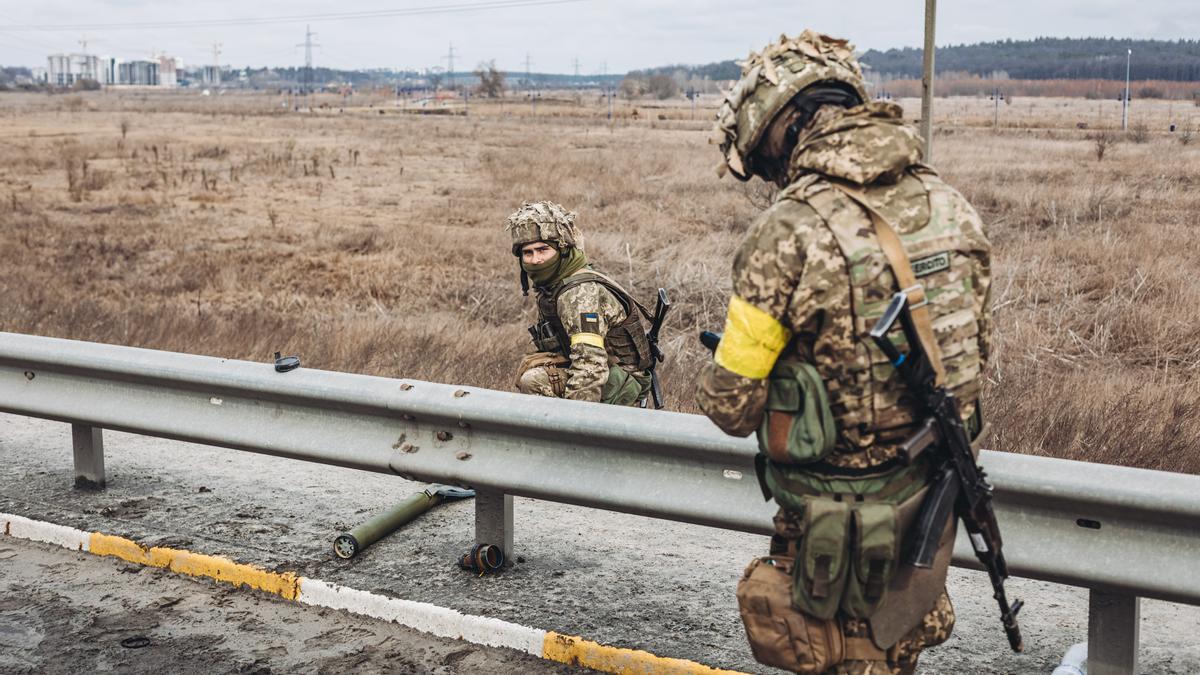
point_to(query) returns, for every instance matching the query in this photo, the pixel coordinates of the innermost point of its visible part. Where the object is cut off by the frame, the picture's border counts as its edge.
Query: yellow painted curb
(577, 651)
(286, 584)
(568, 649)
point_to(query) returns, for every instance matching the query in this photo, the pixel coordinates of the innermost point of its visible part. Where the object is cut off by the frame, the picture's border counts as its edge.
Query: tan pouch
(780, 635)
(551, 361)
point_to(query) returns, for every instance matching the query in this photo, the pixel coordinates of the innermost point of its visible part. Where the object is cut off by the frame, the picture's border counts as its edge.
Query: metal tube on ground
(349, 544)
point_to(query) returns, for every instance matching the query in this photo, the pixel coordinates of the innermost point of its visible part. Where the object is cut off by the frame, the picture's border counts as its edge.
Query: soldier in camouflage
(589, 343)
(810, 279)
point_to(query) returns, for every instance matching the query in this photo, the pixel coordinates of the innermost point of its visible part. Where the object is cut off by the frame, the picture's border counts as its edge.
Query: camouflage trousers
(934, 628)
(622, 387)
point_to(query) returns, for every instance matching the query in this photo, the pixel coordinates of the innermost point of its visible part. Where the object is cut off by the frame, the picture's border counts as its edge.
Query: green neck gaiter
(551, 272)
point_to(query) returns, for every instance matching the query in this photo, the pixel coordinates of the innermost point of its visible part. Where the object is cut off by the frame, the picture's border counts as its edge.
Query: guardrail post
(494, 520)
(1113, 626)
(88, 444)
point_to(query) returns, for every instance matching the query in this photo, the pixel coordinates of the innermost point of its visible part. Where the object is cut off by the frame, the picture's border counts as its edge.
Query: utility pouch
(545, 339)
(553, 363)
(797, 426)
(822, 566)
(779, 635)
(872, 558)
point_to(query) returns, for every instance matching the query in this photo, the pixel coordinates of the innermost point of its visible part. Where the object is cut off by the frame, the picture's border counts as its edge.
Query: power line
(308, 45)
(216, 51)
(298, 18)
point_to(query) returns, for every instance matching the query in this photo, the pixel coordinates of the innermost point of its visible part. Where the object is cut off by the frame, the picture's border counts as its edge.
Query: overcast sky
(624, 34)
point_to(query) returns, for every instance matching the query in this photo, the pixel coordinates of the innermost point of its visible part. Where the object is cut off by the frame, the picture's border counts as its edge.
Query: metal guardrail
(1123, 533)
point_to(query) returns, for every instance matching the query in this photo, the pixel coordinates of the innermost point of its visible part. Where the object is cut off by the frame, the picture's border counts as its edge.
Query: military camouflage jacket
(587, 312)
(811, 266)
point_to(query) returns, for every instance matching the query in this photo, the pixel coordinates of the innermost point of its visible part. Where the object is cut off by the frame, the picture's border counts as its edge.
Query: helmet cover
(770, 80)
(543, 221)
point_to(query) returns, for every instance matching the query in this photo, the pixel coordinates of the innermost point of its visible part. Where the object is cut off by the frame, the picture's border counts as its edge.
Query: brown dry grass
(373, 243)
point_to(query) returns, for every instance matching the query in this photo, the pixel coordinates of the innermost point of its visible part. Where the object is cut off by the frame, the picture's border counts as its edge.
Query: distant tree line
(1053, 58)
(1040, 59)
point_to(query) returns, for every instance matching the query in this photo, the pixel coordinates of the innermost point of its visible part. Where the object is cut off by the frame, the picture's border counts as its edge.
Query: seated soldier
(589, 341)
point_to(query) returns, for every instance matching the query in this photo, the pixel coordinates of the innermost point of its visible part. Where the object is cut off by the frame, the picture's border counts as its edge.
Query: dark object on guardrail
(349, 544)
(482, 558)
(285, 363)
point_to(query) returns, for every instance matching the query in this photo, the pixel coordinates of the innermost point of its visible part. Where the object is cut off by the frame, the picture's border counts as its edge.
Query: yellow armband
(588, 339)
(752, 341)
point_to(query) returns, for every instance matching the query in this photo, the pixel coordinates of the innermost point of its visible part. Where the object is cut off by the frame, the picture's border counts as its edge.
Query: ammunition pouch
(820, 572)
(847, 555)
(797, 425)
(546, 338)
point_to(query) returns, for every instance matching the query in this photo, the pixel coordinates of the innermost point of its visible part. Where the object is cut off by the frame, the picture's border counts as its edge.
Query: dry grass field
(366, 238)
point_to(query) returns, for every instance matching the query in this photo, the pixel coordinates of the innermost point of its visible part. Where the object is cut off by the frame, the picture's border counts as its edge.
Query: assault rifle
(960, 487)
(656, 352)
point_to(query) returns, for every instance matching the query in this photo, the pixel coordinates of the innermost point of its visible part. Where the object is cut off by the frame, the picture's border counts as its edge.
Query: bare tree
(663, 87)
(1102, 140)
(491, 80)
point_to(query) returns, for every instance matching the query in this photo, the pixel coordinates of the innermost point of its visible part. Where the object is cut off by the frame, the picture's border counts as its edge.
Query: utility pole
(575, 63)
(927, 80)
(216, 76)
(997, 96)
(528, 74)
(308, 44)
(450, 67)
(87, 66)
(608, 90)
(1125, 98)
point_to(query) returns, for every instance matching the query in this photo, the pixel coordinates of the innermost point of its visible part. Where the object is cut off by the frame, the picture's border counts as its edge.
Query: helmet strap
(524, 282)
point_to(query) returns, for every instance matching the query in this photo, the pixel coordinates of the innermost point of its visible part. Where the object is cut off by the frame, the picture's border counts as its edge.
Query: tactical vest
(869, 401)
(625, 342)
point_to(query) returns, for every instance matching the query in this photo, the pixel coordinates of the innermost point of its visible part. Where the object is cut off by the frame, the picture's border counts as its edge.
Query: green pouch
(797, 425)
(872, 558)
(821, 563)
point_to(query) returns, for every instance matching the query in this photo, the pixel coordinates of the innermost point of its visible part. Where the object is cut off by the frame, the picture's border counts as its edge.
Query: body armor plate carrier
(625, 342)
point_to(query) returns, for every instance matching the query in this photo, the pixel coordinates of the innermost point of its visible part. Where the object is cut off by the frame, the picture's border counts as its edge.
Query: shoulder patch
(931, 263)
(589, 322)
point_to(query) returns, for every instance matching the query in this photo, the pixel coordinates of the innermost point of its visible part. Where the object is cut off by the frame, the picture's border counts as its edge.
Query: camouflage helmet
(770, 80)
(543, 221)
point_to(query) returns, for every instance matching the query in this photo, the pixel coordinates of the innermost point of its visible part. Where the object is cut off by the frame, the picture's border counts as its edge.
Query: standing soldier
(796, 363)
(589, 340)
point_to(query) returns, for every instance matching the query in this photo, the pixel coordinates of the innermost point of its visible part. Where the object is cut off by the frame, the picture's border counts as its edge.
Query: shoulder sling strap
(586, 275)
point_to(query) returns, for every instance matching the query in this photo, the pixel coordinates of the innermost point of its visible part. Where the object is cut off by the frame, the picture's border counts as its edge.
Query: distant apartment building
(140, 73)
(64, 70)
(167, 73)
